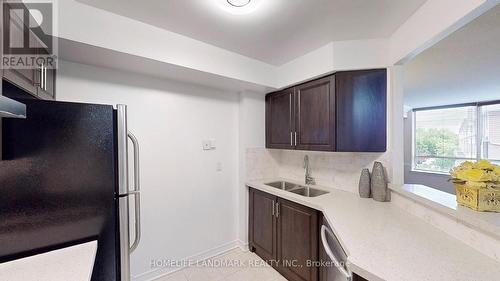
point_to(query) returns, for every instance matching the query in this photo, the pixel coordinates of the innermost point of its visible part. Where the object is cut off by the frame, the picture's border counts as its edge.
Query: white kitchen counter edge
(454, 265)
(445, 203)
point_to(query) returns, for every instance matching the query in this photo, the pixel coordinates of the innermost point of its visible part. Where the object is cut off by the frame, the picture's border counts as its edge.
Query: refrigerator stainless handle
(136, 192)
(330, 254)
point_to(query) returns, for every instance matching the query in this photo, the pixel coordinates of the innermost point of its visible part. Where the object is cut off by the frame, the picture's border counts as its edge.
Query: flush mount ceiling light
(238, 3)
(238, 7)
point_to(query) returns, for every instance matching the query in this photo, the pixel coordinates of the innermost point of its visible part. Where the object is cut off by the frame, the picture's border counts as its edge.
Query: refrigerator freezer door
(58, 182)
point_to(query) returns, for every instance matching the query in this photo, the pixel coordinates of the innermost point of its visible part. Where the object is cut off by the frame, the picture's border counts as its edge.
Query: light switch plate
(206, 145)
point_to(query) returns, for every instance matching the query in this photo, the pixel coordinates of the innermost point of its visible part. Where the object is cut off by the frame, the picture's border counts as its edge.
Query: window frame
(479, 133)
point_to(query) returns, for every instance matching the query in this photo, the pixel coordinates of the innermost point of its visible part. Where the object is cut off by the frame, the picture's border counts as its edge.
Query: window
(444, 137)
(490, 115)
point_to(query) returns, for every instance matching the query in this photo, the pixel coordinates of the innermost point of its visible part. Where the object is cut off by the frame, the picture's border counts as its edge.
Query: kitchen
(200, 84)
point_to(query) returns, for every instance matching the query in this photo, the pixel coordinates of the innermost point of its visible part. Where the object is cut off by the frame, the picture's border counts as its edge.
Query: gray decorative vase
(379, 183)
(364, 184)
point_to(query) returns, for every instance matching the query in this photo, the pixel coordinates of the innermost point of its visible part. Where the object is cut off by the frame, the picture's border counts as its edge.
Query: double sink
(297, 188)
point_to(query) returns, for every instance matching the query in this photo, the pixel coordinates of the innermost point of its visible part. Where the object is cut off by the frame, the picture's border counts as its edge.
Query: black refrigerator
(64, 180)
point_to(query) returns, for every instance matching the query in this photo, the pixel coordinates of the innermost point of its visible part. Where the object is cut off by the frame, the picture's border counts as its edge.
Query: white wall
(251, 134)
(188, 208)
(433, 21)
(461, 68)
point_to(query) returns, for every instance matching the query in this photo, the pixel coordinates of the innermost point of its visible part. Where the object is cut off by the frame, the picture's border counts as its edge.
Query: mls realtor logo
(27, 31)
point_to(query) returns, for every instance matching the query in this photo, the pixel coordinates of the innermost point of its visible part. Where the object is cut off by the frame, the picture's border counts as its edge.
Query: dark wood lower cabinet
(297, 241)
(262, 224)
(287, 236)
(284, 234)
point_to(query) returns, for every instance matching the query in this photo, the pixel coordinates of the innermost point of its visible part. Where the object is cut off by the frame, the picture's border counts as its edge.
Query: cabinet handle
(295, 138)
(277, 210)
(290, 120)
(42, 81)
(44, 78)
(274, 207)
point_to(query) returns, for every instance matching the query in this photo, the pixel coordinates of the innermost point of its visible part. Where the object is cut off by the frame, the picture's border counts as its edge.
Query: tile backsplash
(340, 170)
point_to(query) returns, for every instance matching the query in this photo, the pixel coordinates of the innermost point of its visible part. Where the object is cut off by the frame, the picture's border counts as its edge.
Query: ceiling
(464, 67)
(87, 54)
(278, 31)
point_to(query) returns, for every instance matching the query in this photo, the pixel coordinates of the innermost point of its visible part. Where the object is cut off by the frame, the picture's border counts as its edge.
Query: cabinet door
(361, 110)
(22, 78)
(315, 115)
(49, 93)
(279, 119)
(262, 224)
(297, 241)
(45, 76)
(47, 88)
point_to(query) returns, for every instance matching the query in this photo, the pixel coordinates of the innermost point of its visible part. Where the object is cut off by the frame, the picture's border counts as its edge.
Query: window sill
(429, 172)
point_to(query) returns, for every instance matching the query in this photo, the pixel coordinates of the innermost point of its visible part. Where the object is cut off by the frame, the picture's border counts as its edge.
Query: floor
(234, 265)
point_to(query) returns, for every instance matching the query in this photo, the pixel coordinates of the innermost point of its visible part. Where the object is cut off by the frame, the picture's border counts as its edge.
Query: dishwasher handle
(329, 252)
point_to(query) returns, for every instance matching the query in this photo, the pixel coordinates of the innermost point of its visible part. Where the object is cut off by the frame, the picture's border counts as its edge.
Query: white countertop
(383, 242)
(445, 203)
(72, 263)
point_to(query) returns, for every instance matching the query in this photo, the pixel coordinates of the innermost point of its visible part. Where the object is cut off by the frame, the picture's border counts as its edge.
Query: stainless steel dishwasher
(333, 256)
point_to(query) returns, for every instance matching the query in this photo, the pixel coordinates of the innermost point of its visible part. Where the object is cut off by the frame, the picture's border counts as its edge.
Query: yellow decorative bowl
(478, 198)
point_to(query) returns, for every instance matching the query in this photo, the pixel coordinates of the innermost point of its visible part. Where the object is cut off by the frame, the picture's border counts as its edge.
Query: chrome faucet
(308, 179)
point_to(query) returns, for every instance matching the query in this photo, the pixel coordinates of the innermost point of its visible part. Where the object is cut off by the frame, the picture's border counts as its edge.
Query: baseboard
(242, 245)
(165, 271)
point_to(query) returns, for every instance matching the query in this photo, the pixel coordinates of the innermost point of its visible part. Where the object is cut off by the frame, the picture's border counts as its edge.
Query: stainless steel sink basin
(284, 185)
(308, 191)
(297, 189)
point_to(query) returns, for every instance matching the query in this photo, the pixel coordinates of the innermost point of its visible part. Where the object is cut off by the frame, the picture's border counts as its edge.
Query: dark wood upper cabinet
(315, 115)
(22, 78)
(297, 241)
(279, 119)
(342, 112)
(262, 224)
(37, 81)
(361, 110)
